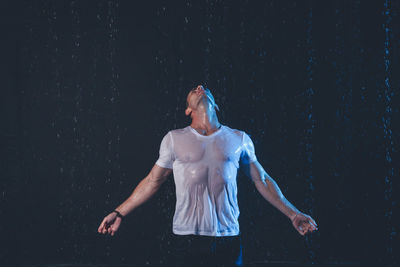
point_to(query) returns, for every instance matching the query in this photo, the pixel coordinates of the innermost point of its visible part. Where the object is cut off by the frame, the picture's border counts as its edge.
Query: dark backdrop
(89, 88)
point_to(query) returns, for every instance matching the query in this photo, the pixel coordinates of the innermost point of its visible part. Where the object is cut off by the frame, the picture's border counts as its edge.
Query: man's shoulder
(179, 131)
(236, 132)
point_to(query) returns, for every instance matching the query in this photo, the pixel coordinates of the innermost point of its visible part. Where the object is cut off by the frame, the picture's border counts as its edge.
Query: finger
(314, 223)
(110, 230)
(105, 230)
(310, 226)
(102, 229)
(314, 227)
(310, 230)
(101, 225)
(301, 230)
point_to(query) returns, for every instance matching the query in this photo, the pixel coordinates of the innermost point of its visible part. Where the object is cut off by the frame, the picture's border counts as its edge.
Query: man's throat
(205, 132)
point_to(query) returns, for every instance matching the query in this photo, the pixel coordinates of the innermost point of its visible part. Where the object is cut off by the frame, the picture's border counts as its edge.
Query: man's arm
(269, 189)
(145, 189)
(143, 192)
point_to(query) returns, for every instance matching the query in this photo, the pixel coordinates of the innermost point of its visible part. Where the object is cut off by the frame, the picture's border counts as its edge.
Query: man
(204, 158)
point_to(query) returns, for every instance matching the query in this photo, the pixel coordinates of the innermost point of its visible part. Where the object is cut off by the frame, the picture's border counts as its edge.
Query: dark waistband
(206, 237)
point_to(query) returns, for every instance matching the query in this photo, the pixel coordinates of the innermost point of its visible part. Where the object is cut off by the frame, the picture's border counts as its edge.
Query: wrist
(118, 214)
(294, 215)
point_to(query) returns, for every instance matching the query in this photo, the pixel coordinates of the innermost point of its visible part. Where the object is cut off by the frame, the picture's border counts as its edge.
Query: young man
(204, 158)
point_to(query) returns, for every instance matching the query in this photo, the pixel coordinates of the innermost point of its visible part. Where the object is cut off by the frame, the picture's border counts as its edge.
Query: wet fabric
(205, 170)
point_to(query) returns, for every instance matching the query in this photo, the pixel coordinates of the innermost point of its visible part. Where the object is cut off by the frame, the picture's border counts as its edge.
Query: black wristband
(118, 214)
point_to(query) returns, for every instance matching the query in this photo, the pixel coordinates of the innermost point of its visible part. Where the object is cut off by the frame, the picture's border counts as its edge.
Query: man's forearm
(143, 192)
(271, 192)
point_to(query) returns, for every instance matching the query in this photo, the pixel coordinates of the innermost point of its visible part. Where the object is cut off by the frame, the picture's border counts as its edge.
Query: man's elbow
(258, 178)
(262, 179)
(157, 180)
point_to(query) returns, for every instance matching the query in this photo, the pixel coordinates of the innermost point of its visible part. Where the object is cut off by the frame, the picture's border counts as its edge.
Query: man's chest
(218, 149)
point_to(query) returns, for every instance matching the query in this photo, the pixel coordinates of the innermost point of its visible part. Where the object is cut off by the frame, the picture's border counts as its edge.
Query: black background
(89, 88)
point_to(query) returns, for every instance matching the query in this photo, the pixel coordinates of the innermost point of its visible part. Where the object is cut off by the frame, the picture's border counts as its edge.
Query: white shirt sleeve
(248, 151)
(166, 158)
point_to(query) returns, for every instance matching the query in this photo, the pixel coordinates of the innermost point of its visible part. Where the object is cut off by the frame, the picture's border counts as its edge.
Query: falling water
(207, 31)
(70, 98)
(57, 120)
(112, 100)
(77, 119)
(387, 137)
(308, 137)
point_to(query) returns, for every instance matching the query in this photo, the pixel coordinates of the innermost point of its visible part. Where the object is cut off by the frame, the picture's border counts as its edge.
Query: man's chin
(202, 101)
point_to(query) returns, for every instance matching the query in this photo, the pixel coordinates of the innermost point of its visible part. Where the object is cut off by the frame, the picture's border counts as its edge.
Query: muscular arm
(269, 189)
(145, 189)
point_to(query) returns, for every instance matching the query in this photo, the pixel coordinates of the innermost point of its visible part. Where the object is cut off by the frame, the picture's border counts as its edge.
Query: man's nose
(200, 89)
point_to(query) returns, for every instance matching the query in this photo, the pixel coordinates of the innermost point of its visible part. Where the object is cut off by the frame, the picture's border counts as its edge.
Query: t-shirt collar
(206, 136)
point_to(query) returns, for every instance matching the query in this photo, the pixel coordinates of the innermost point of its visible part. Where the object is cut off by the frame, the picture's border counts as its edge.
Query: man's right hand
(110, 224)
(143, 191)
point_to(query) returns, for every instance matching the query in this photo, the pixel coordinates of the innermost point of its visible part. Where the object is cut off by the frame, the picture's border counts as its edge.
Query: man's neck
(205, 125)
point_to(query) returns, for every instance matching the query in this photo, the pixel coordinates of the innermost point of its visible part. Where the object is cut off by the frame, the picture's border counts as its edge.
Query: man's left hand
(304, 224)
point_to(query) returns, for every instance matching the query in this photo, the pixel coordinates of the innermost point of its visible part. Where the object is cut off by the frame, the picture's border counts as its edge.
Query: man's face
(198, 96)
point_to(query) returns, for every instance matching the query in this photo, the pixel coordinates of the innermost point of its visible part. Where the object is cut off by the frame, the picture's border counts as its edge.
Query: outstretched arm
(143, 192)
(145, 189)
(269, 189)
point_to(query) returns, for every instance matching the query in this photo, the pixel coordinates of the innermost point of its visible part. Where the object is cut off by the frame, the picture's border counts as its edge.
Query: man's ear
(188, 111)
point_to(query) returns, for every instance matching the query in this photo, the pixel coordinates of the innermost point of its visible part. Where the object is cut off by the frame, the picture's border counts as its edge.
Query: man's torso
(205, 170)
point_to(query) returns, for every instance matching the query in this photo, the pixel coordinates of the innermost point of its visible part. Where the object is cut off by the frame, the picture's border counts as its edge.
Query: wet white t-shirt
(205, 169)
